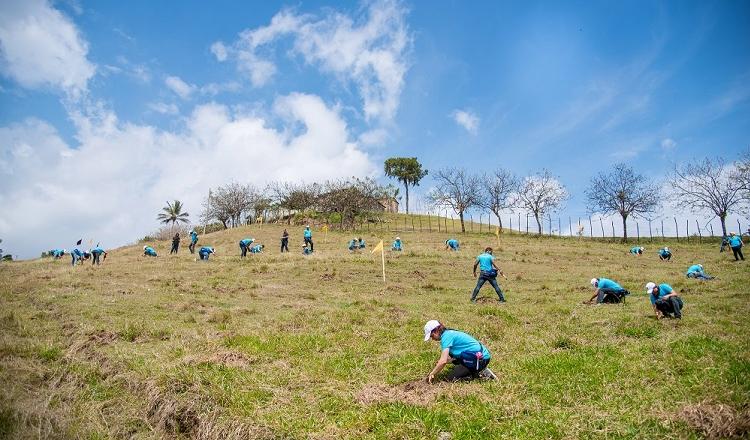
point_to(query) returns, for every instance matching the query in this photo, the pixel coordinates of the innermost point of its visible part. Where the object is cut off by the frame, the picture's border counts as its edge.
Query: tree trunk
(538, 223)
(461, 216)
(499, 220)
(624, 229)
(723, 219)
(406, 187)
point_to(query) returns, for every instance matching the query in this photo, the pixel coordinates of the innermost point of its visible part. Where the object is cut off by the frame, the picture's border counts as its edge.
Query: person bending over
(469, 356)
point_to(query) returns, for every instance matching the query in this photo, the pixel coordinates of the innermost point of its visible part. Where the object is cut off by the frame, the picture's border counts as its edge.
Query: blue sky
(107, 109)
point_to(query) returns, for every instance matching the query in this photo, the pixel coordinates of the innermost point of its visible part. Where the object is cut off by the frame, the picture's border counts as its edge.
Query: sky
(109, 109)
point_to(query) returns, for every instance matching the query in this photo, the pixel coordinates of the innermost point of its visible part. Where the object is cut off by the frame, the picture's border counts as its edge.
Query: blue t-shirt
(205, 250)
(245, 242)
(453, 243)
(149, 251)
(485, 262)
(352, 244)
(635, 250)
(397, 244)
(735, 241)
(664, 290)
(664, 252)
(307, 251)
(361, 244)
(308, 233)
(605, 283)
(694, 269)
(194, 237)
(97, 251)
(458, 342)
(256, 249)
(77, 253)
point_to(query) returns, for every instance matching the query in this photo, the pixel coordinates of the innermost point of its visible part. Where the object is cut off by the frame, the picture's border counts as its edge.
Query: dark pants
(244, 250)
(608, 296)
(203, 256)
(96, 259)
(309, 241)
(670, 306)
(175, 246)
(699, 276)
(460, 371)
(737, 251)
(285, 244)
(493, 282)
(665, 257)
(192, 246)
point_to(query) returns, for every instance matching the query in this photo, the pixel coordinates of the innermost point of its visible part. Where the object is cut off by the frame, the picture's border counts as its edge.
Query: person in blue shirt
(451, 244)
(468, 355)
(193, 241)
(361, 243)
(696, 271)
(607, 291)
(735, 242)
(258, 248)
(245, 246)
(148, 251)
(205, 252)
(638, 250)
(396, 245)
(77, 256)
(665, 300)
(665, 254)
(353, 245)
(97, 252)
(306, 250)
(307, 235)
(488, 272)
(57, 253)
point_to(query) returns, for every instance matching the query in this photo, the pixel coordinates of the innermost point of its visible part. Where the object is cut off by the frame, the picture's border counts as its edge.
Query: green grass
(286, 346)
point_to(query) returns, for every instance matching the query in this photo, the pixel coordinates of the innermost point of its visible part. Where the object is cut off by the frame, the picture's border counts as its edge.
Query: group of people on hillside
(96, 255)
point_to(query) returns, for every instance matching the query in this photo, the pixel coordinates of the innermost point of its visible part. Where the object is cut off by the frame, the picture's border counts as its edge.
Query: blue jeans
(244, 251)
(700, 276)
(493, 282)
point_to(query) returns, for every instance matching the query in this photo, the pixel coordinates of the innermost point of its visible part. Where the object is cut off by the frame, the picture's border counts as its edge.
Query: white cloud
(369, 51)
(164, 108)
(112, 184)
(180, 87)
(374, 137)
(469, 121)
(40, 47)
(668, 144)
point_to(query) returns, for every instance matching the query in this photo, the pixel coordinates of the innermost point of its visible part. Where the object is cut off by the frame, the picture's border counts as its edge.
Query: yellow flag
(379, 247)
(325, 228)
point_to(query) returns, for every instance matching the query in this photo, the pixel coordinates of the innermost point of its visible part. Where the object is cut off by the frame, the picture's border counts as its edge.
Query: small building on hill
(389, 205)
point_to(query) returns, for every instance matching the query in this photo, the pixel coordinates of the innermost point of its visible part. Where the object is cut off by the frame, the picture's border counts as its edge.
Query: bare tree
(456, 189)
(708, 184)
(541, 193)
(350, 199)
(498, 190)
(622, 191)
(743, 173)
(294, 197)
(228, 204)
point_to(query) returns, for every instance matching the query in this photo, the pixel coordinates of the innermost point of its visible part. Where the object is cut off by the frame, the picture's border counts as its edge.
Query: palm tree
(173, 214)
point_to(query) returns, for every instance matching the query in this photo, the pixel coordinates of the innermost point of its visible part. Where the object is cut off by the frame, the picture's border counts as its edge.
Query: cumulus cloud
(110, 186)
(369, 51)
(41, 48)
(668, 144)
(468, 120)
(180, 87)
(164, 108)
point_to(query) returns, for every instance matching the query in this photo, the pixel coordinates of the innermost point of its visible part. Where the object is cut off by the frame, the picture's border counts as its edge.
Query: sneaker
(487, 374)
(473, 301)
(501, 300)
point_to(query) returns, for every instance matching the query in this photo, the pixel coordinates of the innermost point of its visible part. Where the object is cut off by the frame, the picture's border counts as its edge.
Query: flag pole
(382, 255)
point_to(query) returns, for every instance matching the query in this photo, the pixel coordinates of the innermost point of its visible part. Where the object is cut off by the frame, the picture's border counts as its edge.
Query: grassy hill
(286, 346)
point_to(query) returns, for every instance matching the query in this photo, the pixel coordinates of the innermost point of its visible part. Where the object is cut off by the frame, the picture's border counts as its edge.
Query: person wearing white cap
(607, 291)
(468, 355)
(696, 271)
(148, 251)
(307, 235)
(665, 300)
(396, 246)
(665, 254)
(306, 250)
(637, 250)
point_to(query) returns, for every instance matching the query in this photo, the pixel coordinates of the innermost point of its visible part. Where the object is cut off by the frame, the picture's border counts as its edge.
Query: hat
(429, 327)
(666, 248)
(307, 226)
(701, 266)
(144, 247)
(446, 241)
(398, 238)
(641, 248)
(650, 287)
(594, 281)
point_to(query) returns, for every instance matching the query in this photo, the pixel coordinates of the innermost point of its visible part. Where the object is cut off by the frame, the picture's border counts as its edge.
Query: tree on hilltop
(406, 170)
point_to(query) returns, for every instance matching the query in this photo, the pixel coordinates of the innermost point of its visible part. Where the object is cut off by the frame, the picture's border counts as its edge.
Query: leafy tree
(406, 170)
(348, 200)
(457, 189)
(173, 214)
(541, 193)
(622, 191)
(708, 184)
(498, 190)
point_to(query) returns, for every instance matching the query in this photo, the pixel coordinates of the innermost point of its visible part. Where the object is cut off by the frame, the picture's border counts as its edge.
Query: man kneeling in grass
(468, 355)
(665, 300)
(607, 291)
(696, 271)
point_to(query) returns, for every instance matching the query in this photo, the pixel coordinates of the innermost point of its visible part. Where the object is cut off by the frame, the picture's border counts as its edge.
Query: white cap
(650, 287)
(398, 238)
(701, 266)
(429, 327)
(144, 247)
(307, 226)
(594, 281)
(641, 247)
(666, 248)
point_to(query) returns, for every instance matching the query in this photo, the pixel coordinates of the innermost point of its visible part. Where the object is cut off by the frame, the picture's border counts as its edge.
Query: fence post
(420, 223)
(445, 223)
(638, 232)
(662, 229)
(711, 226)
(471, 221)
(412, 223)
(591, 228)
(676, 228)
(700, 235)
(527, 223)
(687, 230)
(453, 223)
(601, 223)
(739, 228)
(613, 229)
(650, 235)
(550, 223)
(570, 227)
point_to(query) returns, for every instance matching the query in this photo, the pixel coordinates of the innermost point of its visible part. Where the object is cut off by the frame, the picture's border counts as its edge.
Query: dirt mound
(231, 359)
(96, 339)
(327, 276)
(417, 392)
(717, 421)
